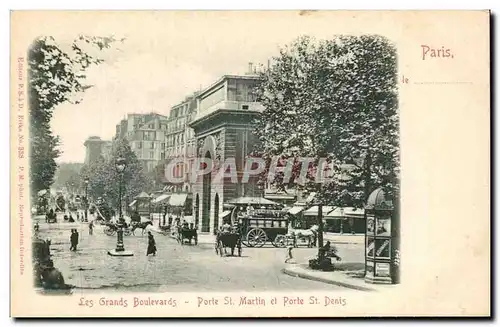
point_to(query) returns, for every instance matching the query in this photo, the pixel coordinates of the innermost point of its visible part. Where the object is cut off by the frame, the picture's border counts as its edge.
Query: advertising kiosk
(381, 240)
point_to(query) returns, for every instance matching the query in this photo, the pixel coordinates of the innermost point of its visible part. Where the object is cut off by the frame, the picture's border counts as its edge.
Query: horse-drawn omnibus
(261, 226)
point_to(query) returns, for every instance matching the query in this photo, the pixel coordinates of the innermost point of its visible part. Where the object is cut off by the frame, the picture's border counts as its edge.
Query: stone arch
(208, 148)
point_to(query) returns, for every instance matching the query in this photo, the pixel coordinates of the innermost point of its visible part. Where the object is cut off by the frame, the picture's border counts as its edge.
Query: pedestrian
(289, 253)
(151, 245)
(74, 240)
(91, 227)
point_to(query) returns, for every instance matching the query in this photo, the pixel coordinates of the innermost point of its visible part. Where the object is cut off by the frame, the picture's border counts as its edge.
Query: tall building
(146, 136)
(223, 129)
(96, 148)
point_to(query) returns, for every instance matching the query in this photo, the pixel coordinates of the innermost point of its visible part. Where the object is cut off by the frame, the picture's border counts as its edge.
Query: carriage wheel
(256, 237)
(280, 241)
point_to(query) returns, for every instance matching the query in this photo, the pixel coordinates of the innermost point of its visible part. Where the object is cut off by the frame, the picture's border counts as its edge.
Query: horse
(310, 235)
(230, 239)
(142, 225)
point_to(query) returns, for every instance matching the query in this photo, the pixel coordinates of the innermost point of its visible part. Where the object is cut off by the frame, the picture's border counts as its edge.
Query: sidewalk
(347, 279)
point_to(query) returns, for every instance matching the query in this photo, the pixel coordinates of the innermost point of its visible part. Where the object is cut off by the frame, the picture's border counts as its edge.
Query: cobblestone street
(174, 268)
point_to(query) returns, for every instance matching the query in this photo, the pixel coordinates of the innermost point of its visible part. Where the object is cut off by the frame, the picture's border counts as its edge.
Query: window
(139, 145)
(244, 107)
(162, 155)
(152, 145)
(151, 155)
(163, 146)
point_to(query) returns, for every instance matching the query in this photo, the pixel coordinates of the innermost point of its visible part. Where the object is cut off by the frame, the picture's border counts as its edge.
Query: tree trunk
(367, 176)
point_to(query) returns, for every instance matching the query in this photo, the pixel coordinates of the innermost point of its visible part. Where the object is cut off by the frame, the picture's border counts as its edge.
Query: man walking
(74, 240)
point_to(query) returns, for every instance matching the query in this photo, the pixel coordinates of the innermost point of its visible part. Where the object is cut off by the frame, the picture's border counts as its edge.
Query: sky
(165, 57)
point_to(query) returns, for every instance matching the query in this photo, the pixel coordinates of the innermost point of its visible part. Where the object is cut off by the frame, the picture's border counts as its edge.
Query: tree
(135, 179)
(55, 75)
(68, 174)
(334, 99)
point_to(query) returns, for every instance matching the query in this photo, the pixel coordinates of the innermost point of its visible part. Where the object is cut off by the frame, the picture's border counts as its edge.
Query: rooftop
(226, 77)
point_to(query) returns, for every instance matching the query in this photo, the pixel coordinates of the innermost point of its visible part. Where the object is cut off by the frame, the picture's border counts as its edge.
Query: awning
(225, 213)
(161, 198)
(296, 210)
(313, 211)
(177, 200)
(280, 196)
(346, 212)
(132, 203)
(354, 213)
(247, 200)
(336, 213)
(142, 195)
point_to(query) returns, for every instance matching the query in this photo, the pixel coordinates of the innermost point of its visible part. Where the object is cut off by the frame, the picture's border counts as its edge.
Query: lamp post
(86, 199)
(120, 251)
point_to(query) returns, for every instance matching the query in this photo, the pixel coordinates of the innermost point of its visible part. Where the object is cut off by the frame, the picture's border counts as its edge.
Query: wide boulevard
(174, 268)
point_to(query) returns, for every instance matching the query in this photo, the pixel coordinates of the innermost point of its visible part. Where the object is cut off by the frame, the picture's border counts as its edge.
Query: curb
(344, 242)
(291, 273)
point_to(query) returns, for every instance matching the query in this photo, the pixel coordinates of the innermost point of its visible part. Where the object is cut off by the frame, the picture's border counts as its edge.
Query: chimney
(268, 64)
(250, 68)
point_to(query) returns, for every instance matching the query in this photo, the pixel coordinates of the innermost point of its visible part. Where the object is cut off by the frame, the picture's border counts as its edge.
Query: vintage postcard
(250, 164)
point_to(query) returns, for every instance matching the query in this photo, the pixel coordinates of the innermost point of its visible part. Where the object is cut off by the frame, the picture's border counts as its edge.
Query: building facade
(96, 148)
(180, 141)
(146, 136)
(223, 129)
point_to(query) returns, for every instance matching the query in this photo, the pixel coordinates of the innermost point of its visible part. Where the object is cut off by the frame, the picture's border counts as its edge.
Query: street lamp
(120, 166)
(86, 199)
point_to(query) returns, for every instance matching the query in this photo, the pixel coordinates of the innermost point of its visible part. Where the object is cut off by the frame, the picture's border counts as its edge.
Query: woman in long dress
(151, 245)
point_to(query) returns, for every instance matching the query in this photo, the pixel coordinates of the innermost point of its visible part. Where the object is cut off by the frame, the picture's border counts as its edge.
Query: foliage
(68, 175)
(104, 180)
(55, 75)
(334, 99)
